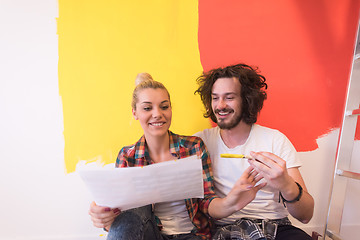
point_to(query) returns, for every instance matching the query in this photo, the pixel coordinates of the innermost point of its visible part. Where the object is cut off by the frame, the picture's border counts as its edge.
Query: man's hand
(275, 172)
(273, 169)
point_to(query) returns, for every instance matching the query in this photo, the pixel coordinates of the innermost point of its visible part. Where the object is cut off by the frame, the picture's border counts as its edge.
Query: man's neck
(237, 135)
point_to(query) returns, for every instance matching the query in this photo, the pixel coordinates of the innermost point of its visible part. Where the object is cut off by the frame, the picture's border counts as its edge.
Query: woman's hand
(102, 217)
(242, 193)
(244, 190)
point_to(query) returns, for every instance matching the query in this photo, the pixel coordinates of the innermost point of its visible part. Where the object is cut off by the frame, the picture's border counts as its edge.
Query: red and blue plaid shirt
(180, 147)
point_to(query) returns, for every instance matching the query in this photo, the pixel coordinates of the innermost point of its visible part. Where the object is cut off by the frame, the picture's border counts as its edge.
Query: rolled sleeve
(208, 178)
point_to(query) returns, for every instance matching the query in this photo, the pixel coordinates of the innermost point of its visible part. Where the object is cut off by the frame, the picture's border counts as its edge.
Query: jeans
(291, 232)
(238, 230)
(140, 224)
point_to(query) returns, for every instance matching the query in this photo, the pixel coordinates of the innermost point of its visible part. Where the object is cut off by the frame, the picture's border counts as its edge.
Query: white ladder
(342, 170)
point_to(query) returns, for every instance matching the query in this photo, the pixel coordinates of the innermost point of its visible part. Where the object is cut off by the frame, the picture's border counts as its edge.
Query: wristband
(298, 196)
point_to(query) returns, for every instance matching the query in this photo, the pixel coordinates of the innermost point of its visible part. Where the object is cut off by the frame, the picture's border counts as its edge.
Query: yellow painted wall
(102, 46)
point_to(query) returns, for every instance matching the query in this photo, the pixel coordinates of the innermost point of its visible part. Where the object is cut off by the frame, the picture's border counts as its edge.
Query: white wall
(317, 171)
(38, 200)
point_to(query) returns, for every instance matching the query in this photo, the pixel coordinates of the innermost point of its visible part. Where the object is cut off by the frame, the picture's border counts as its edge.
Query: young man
(233, 97)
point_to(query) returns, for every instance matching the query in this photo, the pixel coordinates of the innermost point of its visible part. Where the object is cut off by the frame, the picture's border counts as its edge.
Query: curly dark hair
(252, 89)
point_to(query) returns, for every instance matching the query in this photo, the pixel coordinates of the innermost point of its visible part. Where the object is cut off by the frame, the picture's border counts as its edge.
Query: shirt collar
(142, 150)
(174, 145)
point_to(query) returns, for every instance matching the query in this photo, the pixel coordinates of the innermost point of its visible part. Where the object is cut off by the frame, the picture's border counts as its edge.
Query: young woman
(183, 219)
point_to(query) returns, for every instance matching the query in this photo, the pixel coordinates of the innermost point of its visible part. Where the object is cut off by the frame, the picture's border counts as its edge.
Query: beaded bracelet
(298, 196)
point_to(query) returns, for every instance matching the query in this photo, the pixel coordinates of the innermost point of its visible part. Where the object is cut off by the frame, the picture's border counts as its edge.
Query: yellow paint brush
(228, 155)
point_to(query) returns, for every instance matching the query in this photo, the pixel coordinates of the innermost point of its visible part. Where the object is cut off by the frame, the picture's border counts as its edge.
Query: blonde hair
(142, 81)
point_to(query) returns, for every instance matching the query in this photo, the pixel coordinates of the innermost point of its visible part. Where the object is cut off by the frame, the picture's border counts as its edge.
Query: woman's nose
(156, 113)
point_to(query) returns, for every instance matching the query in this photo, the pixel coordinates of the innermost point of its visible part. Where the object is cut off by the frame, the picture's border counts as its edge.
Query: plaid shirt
(180, 147)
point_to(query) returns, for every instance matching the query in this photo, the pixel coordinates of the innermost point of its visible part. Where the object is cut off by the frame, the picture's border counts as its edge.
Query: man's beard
(234, 121)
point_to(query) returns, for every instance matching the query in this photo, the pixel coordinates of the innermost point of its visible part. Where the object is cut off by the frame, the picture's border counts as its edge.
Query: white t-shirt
(174, 217)
(228, 170)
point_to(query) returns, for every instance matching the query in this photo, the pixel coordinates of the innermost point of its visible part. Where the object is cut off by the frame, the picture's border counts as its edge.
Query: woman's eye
(147, 108)
(164, 107)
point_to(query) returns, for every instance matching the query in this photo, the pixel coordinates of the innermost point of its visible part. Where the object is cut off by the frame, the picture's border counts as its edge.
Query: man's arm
(304, 208)
(273, 169)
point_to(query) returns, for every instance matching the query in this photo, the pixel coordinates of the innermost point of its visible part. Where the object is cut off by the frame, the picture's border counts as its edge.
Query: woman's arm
(103, 217)
(242, 193)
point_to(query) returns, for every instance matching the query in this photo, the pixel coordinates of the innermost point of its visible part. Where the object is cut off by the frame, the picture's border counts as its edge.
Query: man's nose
(221, 104)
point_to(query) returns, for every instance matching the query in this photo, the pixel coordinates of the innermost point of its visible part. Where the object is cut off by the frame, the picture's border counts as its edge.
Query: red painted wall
(303, 48)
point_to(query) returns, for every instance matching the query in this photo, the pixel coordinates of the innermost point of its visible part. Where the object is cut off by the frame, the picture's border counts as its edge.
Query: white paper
(131, 187)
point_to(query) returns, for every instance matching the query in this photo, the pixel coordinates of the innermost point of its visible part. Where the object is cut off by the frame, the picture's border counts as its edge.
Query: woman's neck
(159, 148)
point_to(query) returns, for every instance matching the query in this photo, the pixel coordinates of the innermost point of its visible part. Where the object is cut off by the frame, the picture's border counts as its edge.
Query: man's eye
(215, 98)
(230, 98)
